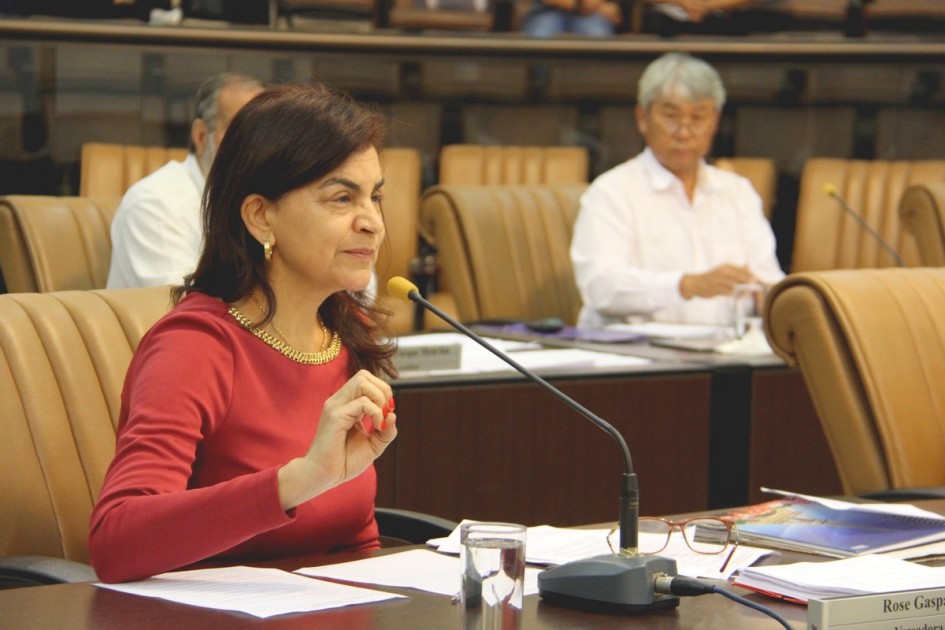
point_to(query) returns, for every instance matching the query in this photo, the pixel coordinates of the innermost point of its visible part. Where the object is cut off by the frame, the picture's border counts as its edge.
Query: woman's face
(327, 233)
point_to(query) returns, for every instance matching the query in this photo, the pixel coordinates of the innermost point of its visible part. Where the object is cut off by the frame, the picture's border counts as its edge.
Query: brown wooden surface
(514, 452)
(788, 449)
(84, 606)
(792, 45)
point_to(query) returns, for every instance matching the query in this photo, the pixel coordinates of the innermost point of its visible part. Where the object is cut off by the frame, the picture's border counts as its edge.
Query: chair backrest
(109, 170)
(922, 212)
(826, 237)
(511, 165)
(63, 358)
(504, 249)
(761, 172)
(870, 344)
(55, 243)
(403, 175)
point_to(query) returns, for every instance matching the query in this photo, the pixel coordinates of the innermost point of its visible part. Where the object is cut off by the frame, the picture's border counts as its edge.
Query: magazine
(835, 528)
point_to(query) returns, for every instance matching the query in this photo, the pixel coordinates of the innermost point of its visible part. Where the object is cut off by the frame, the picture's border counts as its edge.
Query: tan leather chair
(827, 238)
(503, 250)
(510, 165)
(401, 204)
(922, 212)
(63, 358)
(488, 165)
(55, 243)
(761, 172)
(109, 170)
(870, 344)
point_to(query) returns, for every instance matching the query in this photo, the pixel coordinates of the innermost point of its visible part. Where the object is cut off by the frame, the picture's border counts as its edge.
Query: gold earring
(267, 251)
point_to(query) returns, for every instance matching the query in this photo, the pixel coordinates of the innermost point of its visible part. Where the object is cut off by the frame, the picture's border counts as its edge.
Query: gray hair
(207, 99)
(691, 78)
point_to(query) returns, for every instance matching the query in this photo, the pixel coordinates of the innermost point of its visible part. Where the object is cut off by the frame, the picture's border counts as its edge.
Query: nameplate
(428, 358)
(901, 610)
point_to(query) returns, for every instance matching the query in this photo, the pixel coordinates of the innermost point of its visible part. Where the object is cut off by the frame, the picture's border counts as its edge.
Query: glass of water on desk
(492, 561)
(749, 302)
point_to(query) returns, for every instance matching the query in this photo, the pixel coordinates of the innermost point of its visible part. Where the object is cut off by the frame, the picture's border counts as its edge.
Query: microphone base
(610, 584)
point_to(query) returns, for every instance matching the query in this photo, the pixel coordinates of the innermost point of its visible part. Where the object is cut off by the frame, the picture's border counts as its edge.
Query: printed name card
(427, 358)
(912, 610)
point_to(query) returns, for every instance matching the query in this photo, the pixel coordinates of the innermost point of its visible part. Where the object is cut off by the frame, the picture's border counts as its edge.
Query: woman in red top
(252, 413)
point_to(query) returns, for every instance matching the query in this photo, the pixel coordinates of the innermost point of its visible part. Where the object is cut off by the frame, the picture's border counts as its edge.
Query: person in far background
(665, 236)
(156, 231)
(591, 18)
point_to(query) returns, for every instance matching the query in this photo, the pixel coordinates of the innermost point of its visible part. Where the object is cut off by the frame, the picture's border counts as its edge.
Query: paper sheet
(421, 569)
(258, 592)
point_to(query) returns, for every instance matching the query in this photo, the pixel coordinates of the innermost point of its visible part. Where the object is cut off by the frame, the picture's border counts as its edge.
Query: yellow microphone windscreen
(830, 189)
(401, 287)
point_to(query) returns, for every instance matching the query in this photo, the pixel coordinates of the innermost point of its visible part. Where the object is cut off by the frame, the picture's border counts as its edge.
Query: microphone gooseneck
(623, 582)
(831, 191)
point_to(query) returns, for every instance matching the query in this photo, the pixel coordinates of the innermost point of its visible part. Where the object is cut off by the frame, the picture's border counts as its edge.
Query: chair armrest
(413, 527)
(922, 212)
(16, 571)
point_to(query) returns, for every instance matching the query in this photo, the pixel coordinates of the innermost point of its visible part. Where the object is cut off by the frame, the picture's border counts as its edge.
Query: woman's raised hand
(357, 424)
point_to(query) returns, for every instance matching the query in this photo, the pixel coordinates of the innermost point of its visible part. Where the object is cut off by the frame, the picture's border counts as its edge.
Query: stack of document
(861, 575)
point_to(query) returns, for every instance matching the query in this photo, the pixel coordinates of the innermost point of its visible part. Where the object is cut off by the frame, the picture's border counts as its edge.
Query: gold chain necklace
(325, 355)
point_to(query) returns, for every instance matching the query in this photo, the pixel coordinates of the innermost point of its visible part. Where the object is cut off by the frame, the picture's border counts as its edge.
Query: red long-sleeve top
(209, 413)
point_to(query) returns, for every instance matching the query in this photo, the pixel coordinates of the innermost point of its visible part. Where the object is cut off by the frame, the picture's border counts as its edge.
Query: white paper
(474, 358)
(258, 592)
(665, 330)
(421, 569)
(549, 545)
(861, 575)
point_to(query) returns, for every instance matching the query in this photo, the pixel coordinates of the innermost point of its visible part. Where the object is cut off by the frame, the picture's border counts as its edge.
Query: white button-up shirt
(157, 231)
(637, 234)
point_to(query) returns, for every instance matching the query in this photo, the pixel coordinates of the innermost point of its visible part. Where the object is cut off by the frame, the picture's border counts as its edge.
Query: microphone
(831, 191)
(623, 582)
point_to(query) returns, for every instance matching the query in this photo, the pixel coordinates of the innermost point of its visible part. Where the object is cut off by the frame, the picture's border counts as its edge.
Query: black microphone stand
(621, 582)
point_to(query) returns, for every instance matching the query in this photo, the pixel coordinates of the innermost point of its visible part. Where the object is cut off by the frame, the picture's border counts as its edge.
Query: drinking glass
(749, 305)
(492, 557)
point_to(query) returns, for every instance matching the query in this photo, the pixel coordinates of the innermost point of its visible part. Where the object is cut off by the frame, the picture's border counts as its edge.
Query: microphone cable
(684, 586)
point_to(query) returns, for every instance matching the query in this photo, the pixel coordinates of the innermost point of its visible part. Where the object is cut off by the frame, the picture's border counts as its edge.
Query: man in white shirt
(665, 236)
(157, 230)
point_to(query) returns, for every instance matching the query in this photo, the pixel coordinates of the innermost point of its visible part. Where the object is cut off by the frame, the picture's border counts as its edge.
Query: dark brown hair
(285, 138)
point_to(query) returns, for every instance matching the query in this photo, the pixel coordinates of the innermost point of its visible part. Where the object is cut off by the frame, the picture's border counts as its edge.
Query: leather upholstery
(922, 212)
(827, 238)
(870, 344)
(510, 165)
(761, 172)
(401, 200)
(504, 250)
(55, 243)
(109, 170)
(63, 358)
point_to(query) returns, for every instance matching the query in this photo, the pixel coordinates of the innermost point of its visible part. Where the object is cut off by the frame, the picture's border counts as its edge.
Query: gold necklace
(325, 335)
(325, 355)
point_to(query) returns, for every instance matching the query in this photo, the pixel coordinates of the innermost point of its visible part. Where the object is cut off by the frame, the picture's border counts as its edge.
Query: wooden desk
(84, 606)
(501, 448)
(762, 428)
